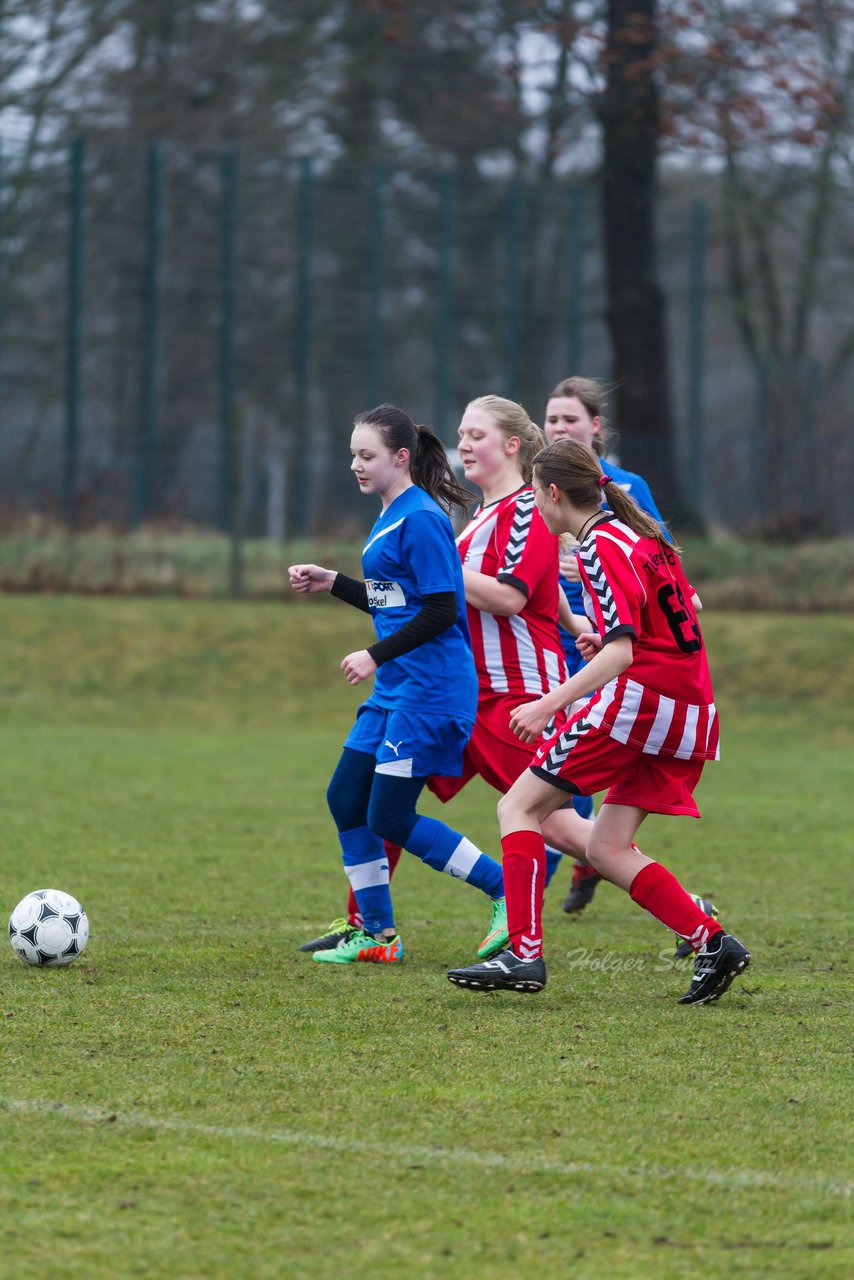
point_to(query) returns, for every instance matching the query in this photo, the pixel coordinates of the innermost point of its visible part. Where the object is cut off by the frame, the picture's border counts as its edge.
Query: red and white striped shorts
(584, 759)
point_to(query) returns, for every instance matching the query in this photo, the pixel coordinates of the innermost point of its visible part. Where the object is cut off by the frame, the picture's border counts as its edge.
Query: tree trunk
(630, 118)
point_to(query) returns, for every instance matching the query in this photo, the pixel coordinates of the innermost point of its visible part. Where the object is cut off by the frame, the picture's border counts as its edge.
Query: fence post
(303, 337)
(377, 261)
(229, 487)
(444, 304)
(696, 353)
(578, 205)
(2, 268)
(812, 418)
(513, 289)
(148, 462)
(73, 333)
(759, 442)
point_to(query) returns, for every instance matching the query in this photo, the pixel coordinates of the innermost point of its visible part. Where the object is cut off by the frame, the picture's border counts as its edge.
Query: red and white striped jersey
(663, 702)
(508, 540)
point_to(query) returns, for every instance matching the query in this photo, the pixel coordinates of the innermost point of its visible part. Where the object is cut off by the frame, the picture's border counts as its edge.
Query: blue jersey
(411, 553)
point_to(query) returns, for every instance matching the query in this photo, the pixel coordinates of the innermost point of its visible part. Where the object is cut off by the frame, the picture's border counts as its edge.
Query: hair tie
(603, 480)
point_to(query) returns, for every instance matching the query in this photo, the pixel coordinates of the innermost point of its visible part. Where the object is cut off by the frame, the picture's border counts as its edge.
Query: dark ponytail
(429, 466)
(575, 469)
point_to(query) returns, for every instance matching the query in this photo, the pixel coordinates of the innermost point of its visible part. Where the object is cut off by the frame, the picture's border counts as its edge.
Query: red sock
(354, 915)
(661, 894)
(581, 871)
(524, 861)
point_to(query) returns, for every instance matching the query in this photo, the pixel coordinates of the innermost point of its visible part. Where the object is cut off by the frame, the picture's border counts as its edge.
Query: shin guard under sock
(444, 849)
(366, 866)
(581, 871)
(659, 892)
(524, 861)
(354, 915)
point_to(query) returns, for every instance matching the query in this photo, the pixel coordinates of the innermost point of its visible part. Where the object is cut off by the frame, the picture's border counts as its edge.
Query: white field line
(519, 1165)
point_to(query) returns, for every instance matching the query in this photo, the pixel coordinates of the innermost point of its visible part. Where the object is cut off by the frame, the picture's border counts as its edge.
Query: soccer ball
(48, 928)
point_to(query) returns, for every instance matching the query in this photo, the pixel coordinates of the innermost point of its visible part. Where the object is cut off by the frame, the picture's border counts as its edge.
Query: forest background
(228, 226)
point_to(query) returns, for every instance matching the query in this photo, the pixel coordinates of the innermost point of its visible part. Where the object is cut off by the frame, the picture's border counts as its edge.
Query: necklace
(595, 516)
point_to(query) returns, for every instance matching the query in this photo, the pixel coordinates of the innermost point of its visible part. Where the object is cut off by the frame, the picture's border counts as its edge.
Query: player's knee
(512, 813)
(339, 797)
(346, 804)
(594, 857)
(601, 853)
(349, 789)
(568, 831)
(391, 822)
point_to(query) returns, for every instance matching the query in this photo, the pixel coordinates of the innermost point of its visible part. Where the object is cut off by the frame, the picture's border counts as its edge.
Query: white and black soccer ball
(48, 928)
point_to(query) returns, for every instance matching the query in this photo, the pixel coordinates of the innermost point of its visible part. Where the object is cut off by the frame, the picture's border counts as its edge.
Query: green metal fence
(187, 335)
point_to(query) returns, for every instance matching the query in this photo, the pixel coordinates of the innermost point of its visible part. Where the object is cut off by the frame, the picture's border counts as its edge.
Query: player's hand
(528, 720)
(588, 644)
(358, 666)
(306, 578)
(568, 561)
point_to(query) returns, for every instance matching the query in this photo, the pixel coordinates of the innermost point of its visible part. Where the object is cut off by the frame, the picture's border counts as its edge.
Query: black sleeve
(351, 591)
(437, 613)
(513, 581)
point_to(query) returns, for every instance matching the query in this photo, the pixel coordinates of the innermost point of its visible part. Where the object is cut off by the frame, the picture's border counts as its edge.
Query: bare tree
(769, 95)
(631, 126)
(45, 45)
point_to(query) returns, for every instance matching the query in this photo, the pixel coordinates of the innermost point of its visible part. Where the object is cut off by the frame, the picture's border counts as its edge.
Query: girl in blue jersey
(418, 719)
(574, 411)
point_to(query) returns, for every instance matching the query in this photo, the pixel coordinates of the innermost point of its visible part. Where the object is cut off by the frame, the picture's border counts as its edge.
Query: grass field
(192, 1098)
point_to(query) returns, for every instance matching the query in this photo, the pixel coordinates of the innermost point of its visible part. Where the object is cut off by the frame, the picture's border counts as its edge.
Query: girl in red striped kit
(647, 728)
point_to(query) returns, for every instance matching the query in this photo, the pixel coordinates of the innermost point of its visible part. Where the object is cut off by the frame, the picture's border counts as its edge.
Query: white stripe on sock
(367, 875)
(534, 900)
(461, 862)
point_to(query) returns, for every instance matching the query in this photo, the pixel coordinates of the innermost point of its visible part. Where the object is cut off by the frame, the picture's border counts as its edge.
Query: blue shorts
(410, 744)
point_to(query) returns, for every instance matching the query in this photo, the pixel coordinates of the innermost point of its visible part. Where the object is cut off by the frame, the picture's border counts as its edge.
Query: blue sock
(583, 806)
(553, 861)
(366, 865)
(444, 849)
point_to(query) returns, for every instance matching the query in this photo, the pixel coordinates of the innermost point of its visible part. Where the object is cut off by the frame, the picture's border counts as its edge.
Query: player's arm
(437, 613)
(491, 596)
(568, 558)
(351, 590)
(528, 720)
(526, 558)
(588, 644)
(309, 578)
